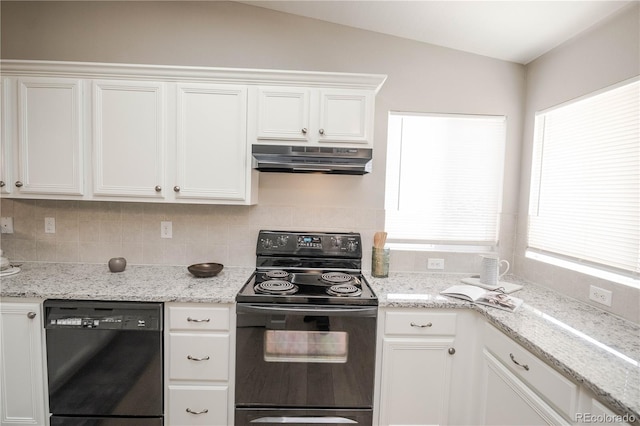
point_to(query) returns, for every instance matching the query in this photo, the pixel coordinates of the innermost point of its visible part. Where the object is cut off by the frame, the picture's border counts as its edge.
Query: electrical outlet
(435, 263)
(6, 225)
(50, 225)
(166, 229)
(600, 295)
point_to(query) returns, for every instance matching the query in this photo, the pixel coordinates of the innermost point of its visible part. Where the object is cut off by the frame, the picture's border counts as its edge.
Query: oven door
(303, 356)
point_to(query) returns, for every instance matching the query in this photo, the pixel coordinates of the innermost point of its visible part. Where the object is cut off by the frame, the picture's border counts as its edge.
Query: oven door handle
(305, 420)
(352, 311)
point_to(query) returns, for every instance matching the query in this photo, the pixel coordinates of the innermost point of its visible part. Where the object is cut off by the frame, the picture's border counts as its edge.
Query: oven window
(306, 346)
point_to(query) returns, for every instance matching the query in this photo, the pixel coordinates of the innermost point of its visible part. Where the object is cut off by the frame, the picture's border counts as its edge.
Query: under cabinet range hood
(310, 159)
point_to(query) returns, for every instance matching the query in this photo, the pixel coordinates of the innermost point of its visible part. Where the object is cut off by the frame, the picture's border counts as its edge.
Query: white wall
(604, 55)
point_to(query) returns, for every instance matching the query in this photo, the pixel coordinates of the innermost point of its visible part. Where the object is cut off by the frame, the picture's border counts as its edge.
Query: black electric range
(322, 268)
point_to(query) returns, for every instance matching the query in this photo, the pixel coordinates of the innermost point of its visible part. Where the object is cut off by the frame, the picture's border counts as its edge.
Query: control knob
(282, 240)
(266, 243)
(352, 246)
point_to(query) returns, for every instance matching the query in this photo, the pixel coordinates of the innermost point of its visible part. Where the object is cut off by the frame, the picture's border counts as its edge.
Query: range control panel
(309, 244)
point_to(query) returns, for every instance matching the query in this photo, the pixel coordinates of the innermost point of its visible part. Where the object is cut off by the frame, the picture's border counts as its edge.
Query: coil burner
(337, 278)
(344, 290)
(276, 287)
(276, 274)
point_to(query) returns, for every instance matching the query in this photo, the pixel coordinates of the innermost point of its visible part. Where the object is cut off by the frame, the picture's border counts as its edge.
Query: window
(584, 207)
(444, 181)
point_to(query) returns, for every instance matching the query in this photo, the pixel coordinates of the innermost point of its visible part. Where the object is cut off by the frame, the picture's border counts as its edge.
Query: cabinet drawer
(204, 318)
(422, 323)
(547, 382)
(198, 356)
(198, 405)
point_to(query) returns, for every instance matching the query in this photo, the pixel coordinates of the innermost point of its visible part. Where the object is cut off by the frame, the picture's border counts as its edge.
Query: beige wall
(605, 55)
(421, 77)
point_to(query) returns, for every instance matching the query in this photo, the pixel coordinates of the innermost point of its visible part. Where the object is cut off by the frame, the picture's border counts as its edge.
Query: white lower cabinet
(423, 362)
(520, 389)
(22, 357)
(198, 364)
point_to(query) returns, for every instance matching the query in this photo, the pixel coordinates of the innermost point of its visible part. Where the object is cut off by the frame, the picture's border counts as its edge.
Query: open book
(495, 299)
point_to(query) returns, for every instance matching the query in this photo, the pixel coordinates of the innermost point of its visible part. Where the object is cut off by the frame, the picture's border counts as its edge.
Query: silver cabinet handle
(189, 410)
(31, 315)
(413, 324)
(198, 320)
(158, 188)
(192, 358)
(2, 184)
(304, 130)
(176, 188)
(19, 184)
(321, 131)
(452, 351)
(525, 366)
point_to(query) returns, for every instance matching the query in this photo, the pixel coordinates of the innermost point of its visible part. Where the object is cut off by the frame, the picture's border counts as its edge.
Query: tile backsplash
(94, 232)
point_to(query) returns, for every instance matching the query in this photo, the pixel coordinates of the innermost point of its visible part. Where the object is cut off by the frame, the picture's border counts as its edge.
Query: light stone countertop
(594, 348)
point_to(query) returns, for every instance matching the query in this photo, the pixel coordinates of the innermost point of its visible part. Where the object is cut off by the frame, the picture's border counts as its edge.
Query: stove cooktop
(318, 267)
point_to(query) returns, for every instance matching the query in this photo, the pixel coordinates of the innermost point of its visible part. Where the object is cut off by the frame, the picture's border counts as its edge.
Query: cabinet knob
(452, 351)
(176, 188)
(2, 184)
(321, 131)
(19, 184)
(31, 315)
(158, 188)
(304, 130)
(205, 411)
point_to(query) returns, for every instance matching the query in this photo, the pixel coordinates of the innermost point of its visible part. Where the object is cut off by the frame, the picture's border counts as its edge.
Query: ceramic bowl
(204, 270)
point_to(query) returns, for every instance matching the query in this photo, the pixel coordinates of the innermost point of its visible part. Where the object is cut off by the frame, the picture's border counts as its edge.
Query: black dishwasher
(104, 362)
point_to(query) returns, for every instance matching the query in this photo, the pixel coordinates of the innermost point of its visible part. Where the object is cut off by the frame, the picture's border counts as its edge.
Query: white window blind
(585, 184)
(444, 178)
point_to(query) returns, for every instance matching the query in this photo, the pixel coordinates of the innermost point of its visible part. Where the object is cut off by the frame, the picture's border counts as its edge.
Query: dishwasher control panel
(102, 316)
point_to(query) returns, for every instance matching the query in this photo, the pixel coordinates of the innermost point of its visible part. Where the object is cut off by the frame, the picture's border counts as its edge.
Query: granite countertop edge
(540, 325)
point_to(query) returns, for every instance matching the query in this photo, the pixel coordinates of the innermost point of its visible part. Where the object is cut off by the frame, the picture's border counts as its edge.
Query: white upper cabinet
(346, 116)
(47, 140)
(148, 133)
(212, 160)
(129, 138)
(314, 116)
(6, 112)
(283, 113)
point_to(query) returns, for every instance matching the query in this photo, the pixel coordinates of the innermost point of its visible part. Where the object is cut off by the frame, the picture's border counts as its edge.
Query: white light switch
(49, 225)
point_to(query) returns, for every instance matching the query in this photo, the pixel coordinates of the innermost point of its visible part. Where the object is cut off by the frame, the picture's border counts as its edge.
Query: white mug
(490, 270)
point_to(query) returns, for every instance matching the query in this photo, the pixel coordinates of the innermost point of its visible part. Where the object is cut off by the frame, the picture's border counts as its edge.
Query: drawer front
(547, 382)
(204, 318)
(199, 356)
(422, 323)
(198, 405)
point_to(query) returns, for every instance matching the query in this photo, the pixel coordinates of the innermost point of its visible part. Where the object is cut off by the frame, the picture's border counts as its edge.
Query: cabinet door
(508, 401)
(212, 160)
(7, 111)
(50, 155)
(283, 113)
(345, 116)
(21, 359)
(128, 138)
(415, 381)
